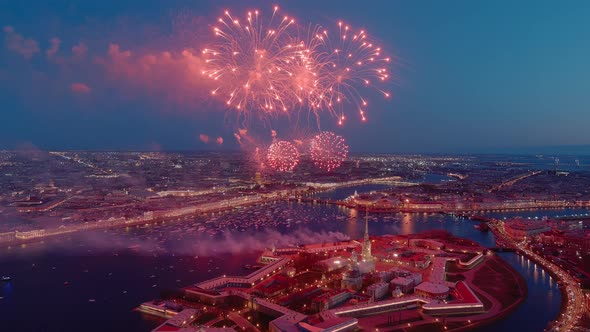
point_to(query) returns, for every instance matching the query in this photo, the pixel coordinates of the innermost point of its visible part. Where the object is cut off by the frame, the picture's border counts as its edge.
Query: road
(574, 309)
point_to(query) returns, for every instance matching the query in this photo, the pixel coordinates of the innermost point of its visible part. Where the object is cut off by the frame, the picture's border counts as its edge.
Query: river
(93, 280)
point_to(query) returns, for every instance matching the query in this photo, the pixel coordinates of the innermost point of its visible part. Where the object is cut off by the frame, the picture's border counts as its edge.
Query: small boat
(6, 278)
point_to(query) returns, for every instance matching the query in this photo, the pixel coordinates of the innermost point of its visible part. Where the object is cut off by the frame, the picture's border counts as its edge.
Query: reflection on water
(124, 267)
(537, 213)
(543, 300)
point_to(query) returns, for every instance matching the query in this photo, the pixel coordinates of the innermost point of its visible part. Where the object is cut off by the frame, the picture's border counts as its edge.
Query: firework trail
(238, 138)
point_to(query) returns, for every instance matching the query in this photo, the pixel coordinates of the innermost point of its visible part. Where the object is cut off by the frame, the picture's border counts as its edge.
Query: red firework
(282, 156)
(252, 62)
(328, 150)
(269, 66)
(348, 65)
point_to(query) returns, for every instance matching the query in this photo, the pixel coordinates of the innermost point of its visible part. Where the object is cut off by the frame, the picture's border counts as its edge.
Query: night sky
(470, 76)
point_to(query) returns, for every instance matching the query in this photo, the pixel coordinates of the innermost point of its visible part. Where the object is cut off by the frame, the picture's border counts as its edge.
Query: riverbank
(457, 209)
(500, 287)
(162, 254)
(508, 279)
(572, 296)
(185, 213)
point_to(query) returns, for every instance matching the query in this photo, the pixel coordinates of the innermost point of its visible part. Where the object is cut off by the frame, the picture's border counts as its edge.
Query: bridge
(513, 181)
(321, 201)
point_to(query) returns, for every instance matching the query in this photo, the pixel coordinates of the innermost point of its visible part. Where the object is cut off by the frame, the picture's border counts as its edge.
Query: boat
(6, 278)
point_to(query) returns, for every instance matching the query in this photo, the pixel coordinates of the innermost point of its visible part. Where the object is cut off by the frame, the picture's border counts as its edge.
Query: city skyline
(294, 166)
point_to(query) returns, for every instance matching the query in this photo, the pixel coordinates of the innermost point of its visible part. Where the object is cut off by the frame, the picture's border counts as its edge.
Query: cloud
(219, 140)
(80, 88)
(204, 138)
(54, 48)
(80, 50)
(17, 43)
(175, 75)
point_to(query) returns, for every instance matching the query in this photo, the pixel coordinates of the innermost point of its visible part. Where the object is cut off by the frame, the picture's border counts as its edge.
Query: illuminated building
(404, 284)
(525, 228)
(331, 264)
(330, 299)
(352, 279)
(432, 290)
(258, 178)
(378, 291)
(368, 261)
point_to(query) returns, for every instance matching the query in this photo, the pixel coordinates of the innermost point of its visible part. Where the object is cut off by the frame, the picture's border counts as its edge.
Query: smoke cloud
(203, 245)
(175, 75)
(79, 51)
(204, 138)
(19, 44)
(81, 88)
(54, 48)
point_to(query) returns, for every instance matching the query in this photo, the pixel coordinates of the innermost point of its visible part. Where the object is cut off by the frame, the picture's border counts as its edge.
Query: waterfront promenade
(574, 301)
(186, 213)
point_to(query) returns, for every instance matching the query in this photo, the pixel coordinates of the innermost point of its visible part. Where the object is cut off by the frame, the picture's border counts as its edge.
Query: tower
(366, 254)
(258, 178)
(352, 278)
(367, 265)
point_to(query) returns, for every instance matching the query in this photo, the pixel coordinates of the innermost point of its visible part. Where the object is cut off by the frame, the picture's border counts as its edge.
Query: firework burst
(253, 62)
(328, 150)
(282, 156)
(349, 66)
(266, 65)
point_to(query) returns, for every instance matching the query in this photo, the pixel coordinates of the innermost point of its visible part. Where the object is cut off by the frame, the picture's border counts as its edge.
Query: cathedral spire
(366, 254)
(366, 224)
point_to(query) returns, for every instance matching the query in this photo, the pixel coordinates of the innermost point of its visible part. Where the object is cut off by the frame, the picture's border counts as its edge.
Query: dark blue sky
(472, 76)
